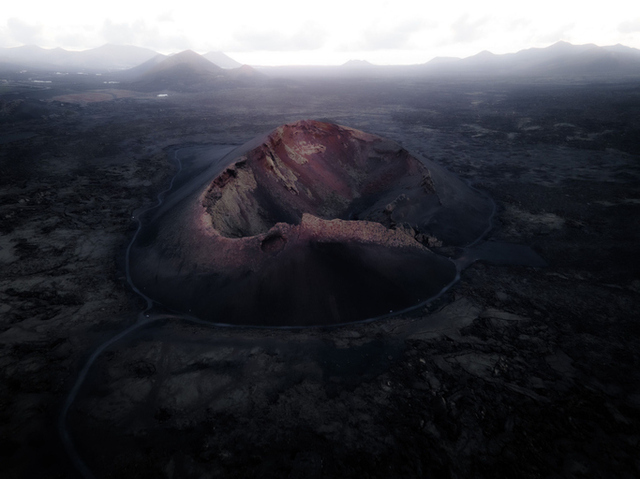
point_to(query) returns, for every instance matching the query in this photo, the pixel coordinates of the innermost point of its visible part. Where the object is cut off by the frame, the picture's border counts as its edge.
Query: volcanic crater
(312, 224)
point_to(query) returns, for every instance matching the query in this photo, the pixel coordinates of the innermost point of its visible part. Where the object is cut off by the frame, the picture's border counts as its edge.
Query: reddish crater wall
(316, 168)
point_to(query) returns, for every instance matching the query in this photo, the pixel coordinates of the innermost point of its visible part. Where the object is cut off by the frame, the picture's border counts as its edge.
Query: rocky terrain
(515, 371)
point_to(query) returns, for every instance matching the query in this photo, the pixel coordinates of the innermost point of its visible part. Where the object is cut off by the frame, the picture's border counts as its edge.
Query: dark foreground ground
(514, 372)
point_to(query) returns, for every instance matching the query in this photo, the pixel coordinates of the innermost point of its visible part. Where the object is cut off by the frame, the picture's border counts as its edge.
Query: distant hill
(184, 71)
(559, 59)
(188, 71)
(245, 72)
(32, 56)
(104, 58)
(188, 62)
(113, 57)
(137, 71)
(441, 60)
(222, 60)
(357, 64)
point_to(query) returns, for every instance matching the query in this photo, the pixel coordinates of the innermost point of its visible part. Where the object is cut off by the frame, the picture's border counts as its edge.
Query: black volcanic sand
(515, 372)
(308, 281)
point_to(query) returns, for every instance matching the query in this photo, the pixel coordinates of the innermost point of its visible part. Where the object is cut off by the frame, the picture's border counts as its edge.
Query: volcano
(311, 224)
(184, 71)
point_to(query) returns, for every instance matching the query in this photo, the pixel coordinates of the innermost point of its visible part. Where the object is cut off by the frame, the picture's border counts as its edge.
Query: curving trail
(144, 318)
(137, 219)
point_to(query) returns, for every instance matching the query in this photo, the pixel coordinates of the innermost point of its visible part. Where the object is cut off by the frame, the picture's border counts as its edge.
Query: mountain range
(559, 59)
(105, 58)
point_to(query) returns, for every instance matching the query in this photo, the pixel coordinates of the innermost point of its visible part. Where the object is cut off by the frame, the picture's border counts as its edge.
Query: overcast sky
(321, 32)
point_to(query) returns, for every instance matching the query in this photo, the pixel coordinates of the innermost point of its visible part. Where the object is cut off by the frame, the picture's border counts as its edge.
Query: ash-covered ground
(516, 371)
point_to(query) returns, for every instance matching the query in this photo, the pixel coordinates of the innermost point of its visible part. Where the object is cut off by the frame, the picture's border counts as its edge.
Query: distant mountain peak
(485, 54)
(246, 69)
(358, 64)
(244, 72)
(222, 60)
(186, 54)
(561, 44)
(436, 60)
(187, 71)
(189, 59)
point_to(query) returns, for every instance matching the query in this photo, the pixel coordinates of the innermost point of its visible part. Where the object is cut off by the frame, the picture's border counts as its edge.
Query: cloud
(518, 24)
(630, 26)
(73, 40)
(141, 34)
(22, 32)
(310, 37)
(465, 30)
(123, 33)
(166, 17)
(382, 37)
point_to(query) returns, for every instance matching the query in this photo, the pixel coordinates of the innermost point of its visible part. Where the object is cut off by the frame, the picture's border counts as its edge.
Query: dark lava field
(519, 369)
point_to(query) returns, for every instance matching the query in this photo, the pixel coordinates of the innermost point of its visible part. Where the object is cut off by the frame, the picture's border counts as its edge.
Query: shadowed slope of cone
(313, 224)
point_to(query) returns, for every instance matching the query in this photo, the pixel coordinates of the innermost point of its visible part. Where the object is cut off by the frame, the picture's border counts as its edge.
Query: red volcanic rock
(314, 224)
(321, 169)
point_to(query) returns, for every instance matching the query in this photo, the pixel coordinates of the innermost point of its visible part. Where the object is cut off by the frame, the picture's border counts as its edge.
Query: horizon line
(311, 65)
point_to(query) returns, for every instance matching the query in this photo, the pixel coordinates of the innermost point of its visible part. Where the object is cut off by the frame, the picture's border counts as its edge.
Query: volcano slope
(312, 224)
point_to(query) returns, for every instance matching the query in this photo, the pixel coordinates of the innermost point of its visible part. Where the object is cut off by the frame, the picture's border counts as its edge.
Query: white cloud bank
(332, 31)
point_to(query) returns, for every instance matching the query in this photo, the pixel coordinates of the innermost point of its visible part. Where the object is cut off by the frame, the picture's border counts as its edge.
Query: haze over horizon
(287, 32)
